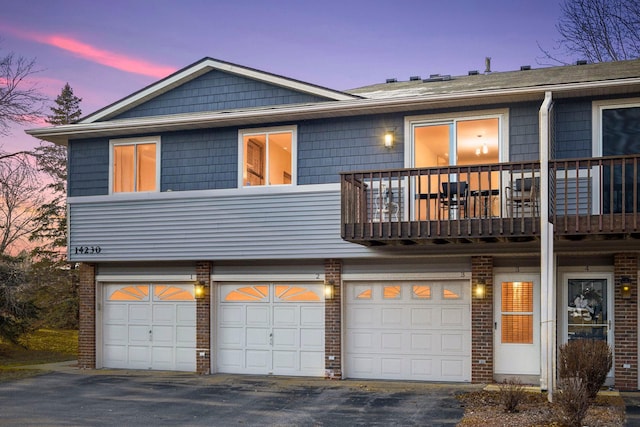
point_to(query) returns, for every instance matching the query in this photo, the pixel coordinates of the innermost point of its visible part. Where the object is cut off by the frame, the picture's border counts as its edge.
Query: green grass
(42, 346)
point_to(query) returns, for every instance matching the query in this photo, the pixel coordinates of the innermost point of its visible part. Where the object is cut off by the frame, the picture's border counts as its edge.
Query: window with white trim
(134, 165)
(267, 156)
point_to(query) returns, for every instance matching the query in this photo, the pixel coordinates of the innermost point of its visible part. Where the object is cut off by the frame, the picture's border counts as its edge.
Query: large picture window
(134, 165)
(268, 157)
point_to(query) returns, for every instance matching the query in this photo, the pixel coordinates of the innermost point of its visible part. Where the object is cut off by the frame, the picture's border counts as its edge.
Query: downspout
(547, 259)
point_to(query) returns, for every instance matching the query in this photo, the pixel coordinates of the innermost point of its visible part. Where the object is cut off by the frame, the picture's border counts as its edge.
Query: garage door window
(421, 292)
(362, 292)
(160, 293)
(260, 293)
(391, 292)
(452, 292)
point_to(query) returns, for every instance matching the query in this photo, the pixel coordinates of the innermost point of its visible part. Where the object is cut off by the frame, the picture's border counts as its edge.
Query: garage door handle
(150, 335)
(271, 338)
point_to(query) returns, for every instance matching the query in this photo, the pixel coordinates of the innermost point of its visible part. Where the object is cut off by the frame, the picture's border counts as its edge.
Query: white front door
(408, 330)
(267, 328)
(149, 326)
(517, 324)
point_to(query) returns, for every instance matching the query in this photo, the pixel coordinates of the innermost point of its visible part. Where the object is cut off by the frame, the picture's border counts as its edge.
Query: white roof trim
(290, 113)
(202, 67)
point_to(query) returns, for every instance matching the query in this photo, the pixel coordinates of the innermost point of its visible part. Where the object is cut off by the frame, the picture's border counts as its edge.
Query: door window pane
(587, 310)
(517, 312)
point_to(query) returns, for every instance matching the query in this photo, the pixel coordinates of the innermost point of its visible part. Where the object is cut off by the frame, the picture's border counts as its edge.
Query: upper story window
(134, 165)
(615, 128)
(267, 156)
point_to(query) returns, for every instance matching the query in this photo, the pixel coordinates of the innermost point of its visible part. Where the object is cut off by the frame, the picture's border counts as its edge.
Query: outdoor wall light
(199, 289)
(389, 139)
(329, 290)
(625, 285)
(480, 289)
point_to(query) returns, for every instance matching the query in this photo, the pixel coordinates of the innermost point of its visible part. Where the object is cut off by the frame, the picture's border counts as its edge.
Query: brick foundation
(482, 321)
(333, 320)
(203, 320)
(87, 323)
(626, 323)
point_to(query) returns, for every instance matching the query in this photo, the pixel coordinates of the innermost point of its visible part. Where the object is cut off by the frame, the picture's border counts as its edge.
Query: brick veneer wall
(482, 321)
(203, 320)
(87, 324)
(333, 320)
(626, 323)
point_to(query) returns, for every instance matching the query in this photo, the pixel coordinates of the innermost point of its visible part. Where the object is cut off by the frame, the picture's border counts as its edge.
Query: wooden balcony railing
(588, 198)
(595, 197)
(445, 204)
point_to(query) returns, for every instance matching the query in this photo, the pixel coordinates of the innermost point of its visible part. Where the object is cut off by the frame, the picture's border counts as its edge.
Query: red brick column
(203, 320)
(87, 323)
(482, 320)
(626, 323)
(333, 320)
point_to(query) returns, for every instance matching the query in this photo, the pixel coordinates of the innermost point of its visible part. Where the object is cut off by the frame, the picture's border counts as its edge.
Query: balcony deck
(588, 199)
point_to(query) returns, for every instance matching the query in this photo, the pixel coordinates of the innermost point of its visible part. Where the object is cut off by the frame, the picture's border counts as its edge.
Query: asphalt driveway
(70, 397)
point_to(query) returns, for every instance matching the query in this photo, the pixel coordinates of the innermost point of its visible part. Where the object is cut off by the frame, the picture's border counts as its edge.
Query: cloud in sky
(91, 53)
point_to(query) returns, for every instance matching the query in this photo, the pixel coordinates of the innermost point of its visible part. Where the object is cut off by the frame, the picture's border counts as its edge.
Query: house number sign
(86, 250)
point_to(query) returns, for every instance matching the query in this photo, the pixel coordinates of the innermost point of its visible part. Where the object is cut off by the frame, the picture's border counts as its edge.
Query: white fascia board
(290, 113)
(202, 68)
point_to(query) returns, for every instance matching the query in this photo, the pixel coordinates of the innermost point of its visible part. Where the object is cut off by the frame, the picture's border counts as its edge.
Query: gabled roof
(201, 67)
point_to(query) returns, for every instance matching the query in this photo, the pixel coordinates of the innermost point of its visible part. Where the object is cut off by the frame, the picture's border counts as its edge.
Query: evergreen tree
(55, 280)
(52, 160)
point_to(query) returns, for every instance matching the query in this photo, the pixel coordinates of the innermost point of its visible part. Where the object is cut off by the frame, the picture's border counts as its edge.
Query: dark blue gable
(218, 91)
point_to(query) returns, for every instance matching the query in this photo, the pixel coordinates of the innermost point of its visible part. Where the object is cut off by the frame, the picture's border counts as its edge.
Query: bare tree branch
(20, 99)
(597, 30)
(20, 198)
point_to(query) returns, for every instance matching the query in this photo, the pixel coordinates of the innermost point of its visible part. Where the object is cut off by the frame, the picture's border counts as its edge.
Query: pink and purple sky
(108, 49)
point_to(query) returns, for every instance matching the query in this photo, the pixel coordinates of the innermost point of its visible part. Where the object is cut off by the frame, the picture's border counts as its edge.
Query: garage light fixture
(199, 289)
(625, 286)
(480, 289)
(329, 289)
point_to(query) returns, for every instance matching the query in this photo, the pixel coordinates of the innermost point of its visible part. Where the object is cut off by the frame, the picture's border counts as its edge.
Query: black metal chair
(454, 198)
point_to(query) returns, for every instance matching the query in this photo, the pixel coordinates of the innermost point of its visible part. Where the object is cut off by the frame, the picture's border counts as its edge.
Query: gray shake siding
(573, 129)
(216, 91)
(523, 132)
(200, 160)
(88, 167)
(208, 159)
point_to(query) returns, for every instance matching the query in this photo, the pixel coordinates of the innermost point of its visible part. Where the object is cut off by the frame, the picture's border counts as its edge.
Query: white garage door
(149, 327)
(409, 330)
(271, 328)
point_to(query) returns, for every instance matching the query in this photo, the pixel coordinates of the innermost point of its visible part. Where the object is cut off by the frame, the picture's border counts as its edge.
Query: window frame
(412, 122)
(597, 107)
(134, 141)
(242, 133)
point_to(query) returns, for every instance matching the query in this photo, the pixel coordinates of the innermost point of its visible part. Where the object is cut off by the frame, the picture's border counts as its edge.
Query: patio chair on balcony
(523, 195)
(454, 199)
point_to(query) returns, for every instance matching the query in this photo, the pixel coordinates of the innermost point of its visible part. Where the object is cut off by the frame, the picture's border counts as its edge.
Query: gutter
(547, 257)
